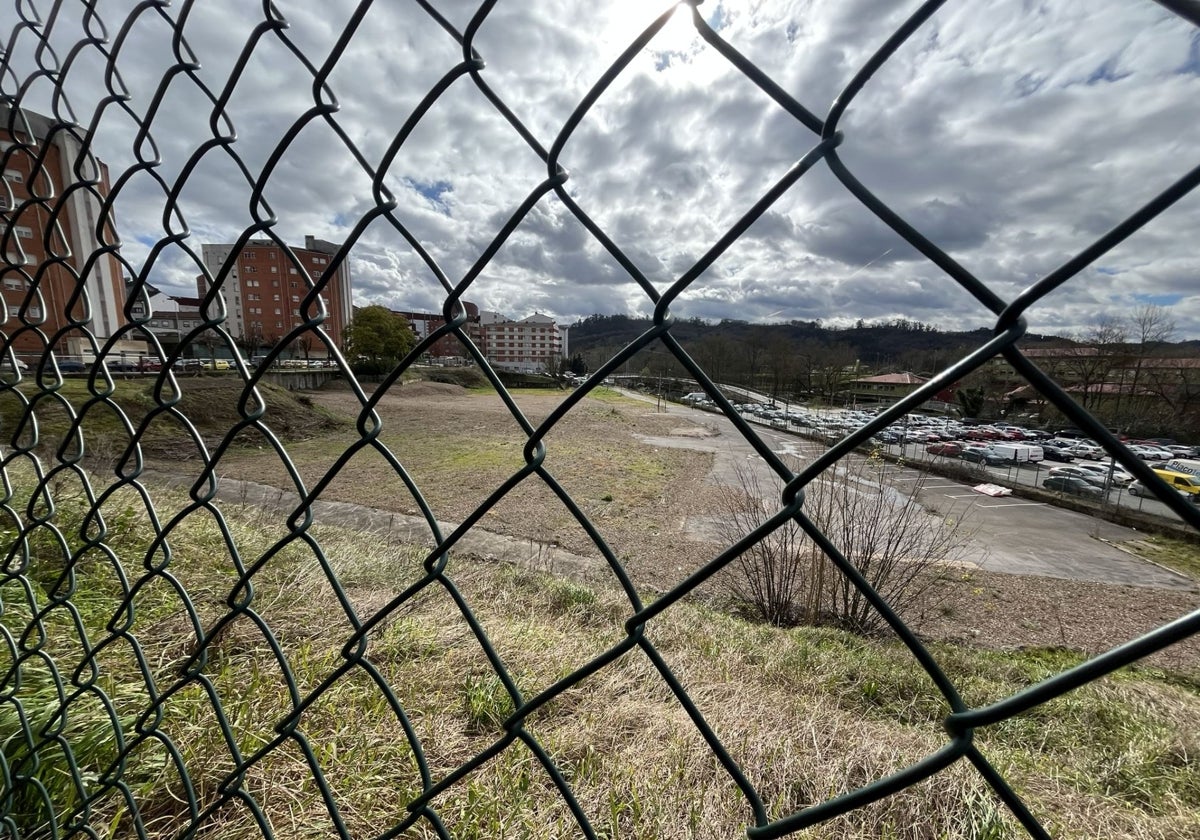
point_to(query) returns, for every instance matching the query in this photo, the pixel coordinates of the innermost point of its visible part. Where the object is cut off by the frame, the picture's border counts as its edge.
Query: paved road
(1011, 535)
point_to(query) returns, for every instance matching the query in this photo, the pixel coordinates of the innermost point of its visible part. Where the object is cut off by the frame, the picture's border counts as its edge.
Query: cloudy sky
(1010, 133)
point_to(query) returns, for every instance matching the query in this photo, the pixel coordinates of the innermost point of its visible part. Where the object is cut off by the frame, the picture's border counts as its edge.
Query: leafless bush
(882, 530)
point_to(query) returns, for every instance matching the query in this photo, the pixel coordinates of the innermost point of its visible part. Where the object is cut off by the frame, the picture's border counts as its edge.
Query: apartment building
(50, 236)
(527, 345)
(448, 346)
(262, 288)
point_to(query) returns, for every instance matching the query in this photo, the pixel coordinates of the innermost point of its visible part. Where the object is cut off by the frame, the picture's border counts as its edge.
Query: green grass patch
(807, 713)
(614, 397)
(1181, 555)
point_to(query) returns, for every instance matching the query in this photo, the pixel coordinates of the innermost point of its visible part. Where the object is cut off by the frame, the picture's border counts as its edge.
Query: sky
(1011, 134)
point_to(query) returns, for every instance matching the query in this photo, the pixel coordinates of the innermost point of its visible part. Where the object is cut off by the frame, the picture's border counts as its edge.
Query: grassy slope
(211, 403)
(807, 713)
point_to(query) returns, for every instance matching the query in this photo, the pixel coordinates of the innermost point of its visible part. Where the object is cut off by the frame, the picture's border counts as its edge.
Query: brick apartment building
(265, 285)
(448, 346)
(50, 236)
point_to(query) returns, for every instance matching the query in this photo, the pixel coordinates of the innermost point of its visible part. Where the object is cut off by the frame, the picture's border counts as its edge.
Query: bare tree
(883, 531)
(1151, 326)
(1089, 365)
(832, 366)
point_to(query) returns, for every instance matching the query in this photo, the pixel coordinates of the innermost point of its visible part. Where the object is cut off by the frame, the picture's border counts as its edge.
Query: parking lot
(1010, 535)
(921, 438)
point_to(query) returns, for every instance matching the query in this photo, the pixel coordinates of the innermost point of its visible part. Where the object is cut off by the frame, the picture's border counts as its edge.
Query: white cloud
(1011, 136)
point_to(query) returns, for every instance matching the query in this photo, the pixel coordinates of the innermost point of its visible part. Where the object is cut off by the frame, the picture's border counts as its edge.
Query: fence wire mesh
(61, 514)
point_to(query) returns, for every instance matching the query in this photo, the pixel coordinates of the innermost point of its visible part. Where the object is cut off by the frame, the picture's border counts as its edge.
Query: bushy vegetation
(884, 533)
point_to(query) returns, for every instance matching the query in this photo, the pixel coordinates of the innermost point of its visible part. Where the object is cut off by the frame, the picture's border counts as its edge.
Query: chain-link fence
(96, 739)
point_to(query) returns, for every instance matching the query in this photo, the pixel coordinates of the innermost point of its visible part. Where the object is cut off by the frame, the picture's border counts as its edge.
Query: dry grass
(1180, 555)
(808, 714)
(460, 446)
(211, 404)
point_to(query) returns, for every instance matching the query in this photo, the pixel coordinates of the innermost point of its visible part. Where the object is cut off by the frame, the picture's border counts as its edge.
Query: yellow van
(1183, 482)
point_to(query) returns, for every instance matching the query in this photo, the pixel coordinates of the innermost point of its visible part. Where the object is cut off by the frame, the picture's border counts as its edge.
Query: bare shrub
(883, 530)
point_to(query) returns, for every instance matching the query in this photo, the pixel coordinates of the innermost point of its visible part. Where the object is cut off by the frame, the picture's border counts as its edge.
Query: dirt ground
(462, 450)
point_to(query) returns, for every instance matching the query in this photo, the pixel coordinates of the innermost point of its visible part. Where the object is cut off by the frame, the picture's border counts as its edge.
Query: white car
(1086, 450)
(1119, 476)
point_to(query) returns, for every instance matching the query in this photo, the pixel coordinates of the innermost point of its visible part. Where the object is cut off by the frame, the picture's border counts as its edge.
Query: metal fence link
(52, 665)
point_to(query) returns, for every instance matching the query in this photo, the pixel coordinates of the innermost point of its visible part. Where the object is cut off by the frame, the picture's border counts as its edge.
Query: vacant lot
(642, 477)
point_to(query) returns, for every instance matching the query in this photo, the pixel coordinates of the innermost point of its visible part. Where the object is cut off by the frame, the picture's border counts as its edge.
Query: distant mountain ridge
(898, 344)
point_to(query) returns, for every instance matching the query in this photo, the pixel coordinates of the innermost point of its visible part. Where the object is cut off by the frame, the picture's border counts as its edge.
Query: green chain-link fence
(61, 666)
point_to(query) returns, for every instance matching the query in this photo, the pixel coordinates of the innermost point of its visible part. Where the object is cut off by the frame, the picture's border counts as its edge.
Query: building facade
(448, 347)
(530, 345)
(51, 238)
(262, 288)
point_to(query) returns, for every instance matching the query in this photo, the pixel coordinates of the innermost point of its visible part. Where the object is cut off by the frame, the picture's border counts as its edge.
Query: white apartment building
(527, 345)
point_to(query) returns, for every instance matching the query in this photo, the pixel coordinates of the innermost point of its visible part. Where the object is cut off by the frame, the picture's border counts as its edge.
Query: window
(4, 202)
(292, 271)
(250, 269)
(279, 325)
(24, 232)
(276, 297)
(14, 283)
(295, 313)
(14, 175)
(35, 312)
(251, 255)
(295, 297)
(13, 309)
(271, 254)
(274, 270)
(275, 283)
(278, 311)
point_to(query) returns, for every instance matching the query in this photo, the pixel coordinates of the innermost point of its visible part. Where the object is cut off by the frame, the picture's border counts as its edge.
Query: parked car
(1078, 472)
(1136, 488)
(948, 448)
(6, 364)
(1056, 453)
(980, 455)
(187, 364)
(146, 365)
(1087, 450)
(1105, 471)
(215, 364)
(1074, 486)
(71, 366)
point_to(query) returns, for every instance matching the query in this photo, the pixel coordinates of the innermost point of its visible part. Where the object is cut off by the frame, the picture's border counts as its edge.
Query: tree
(1150, 327)
(304, 342)
(379, 334)
(577, 365)
(883, 531)
(831, 366)
(1090, 363)
(971, 400)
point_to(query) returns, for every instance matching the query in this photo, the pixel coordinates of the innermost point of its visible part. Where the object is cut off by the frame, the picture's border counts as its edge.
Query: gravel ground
(639, 496)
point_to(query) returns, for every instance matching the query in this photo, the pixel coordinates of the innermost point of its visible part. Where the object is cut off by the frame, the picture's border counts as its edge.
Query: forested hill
(899, 345)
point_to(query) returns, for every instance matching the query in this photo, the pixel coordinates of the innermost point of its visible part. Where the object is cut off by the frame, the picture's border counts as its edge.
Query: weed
(486, 703)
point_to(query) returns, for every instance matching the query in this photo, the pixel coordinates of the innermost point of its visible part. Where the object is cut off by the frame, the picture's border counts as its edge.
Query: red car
(945, 448)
